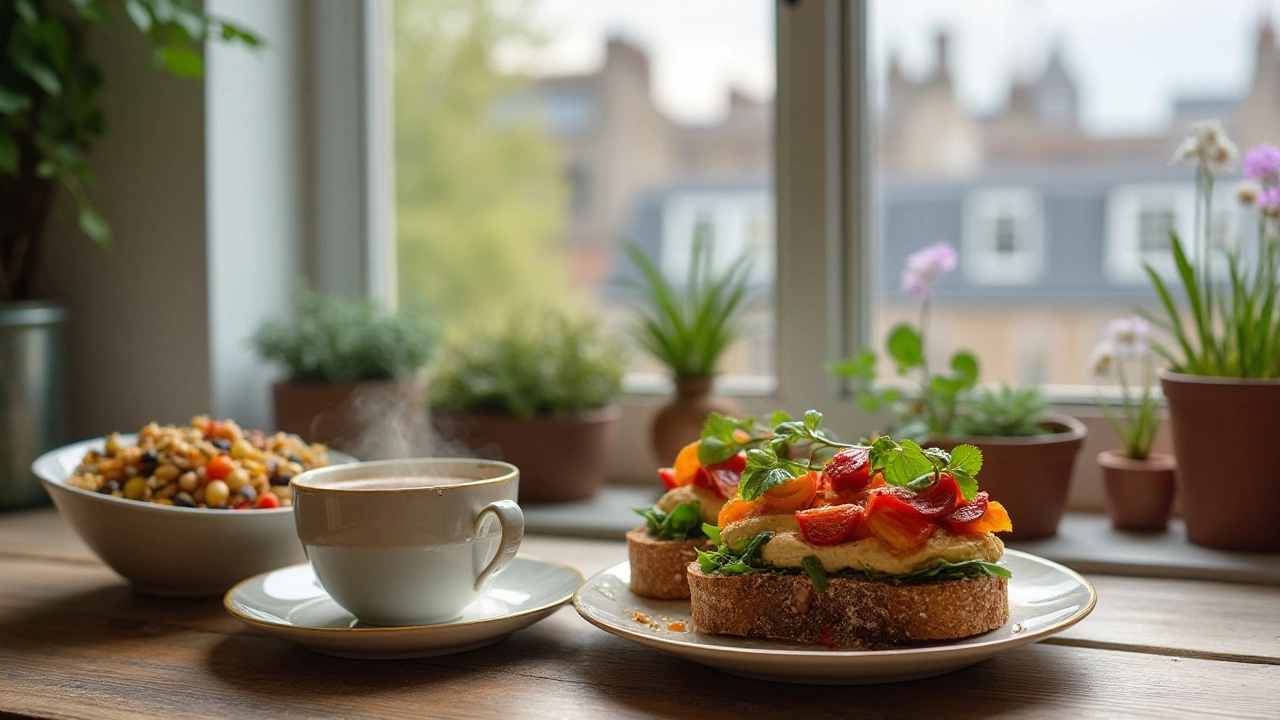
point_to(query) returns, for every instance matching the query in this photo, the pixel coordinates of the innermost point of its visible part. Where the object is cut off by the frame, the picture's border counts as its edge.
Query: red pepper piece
(850, 469)
(668, 476)
(966, 513)
(940, 499)
(830, 525)
(896, 523)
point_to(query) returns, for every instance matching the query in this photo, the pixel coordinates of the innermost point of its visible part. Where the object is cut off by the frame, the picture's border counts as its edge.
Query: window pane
(534, 139)
(1036, 138)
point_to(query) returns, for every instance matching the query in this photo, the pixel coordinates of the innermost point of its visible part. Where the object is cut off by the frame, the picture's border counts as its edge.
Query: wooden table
(76, 642)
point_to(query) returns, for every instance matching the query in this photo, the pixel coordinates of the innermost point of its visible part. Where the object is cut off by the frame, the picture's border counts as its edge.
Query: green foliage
(904, 464)
(933, 409)
(50, 116)
(817, 575)
(723, 437)
(683, 522)
(337, 341)
(480, 189)
(741, 559)
(1005, 411)
(545, 365)
(688, 329)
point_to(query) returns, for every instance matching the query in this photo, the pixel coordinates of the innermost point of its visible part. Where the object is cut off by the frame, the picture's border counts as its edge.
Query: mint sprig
(683, 522)
(906, 464)
(720, 439)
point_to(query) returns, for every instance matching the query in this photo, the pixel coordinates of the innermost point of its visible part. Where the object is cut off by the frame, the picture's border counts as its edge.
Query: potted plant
(1028, 453)
(50, 121)
(688, 330)
(1223, 382)
(1138, 482)
(538, 394)
(353, 374)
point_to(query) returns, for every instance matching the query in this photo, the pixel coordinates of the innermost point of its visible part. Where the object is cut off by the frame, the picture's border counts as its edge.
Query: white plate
(290, 604)
(1044, 598)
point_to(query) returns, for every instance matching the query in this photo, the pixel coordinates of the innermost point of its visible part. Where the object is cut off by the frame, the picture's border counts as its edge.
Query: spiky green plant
(1004, 411)
(688, 329)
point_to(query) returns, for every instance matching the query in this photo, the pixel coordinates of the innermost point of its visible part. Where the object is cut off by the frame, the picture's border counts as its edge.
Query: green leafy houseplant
(688, 329)
(50, 117)
(552, 365)
(338, 341)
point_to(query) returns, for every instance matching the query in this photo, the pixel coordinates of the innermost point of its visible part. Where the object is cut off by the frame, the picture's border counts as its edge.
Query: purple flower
(1263, 164)
(924, 265)
(1270, 199)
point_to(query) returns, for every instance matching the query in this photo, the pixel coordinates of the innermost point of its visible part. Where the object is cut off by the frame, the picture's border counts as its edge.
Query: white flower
(1102, 359)
(1208, 145)
(1127, 337)
(926, 264)
(1247, 193)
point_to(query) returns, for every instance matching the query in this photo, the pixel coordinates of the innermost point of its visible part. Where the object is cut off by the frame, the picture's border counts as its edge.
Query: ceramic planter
(561, 457)
(1139, 492)
(372, 419)
(1028, 475)
(33, 412)
(1225, 433)
(680, 421)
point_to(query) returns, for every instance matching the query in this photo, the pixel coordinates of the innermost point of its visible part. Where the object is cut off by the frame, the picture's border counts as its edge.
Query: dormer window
(1003, 238)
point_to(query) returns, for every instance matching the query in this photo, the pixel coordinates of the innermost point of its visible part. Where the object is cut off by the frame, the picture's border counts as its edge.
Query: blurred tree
(479, 186)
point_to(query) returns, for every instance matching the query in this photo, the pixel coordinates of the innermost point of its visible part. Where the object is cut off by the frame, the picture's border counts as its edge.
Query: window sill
(650, 384)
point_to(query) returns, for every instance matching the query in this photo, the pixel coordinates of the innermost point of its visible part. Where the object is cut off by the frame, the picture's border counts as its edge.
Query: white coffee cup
(408, 542)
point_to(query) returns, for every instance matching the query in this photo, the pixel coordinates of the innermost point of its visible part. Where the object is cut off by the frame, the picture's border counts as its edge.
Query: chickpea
(167, 472)
(216, 493)
(237, 479)
(188, 481)
(241, 449)
(135, 488)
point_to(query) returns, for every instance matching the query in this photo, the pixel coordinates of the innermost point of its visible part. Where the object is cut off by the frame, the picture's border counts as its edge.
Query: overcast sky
(1132, 57)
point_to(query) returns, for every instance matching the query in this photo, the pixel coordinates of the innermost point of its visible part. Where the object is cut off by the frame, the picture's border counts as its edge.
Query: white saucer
(1044, 598)
(290, 604)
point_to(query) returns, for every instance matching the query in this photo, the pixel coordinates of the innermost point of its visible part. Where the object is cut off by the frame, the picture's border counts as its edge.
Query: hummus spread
(710, 502)
(788, 548)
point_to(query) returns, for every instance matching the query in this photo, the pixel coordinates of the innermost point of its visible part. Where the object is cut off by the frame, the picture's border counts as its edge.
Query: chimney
(943, 43)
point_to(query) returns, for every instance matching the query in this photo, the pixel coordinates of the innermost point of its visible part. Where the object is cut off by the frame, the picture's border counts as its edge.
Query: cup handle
(511, 519)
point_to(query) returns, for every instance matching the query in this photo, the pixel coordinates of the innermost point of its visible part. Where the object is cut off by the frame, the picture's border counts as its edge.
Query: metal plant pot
(33, 398)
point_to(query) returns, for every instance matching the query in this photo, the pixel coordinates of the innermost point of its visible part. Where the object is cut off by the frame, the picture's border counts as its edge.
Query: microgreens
(722, 436)
(683, 522)
(904, 464)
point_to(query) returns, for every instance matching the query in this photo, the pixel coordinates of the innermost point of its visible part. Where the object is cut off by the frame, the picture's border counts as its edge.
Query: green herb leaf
(812, 419)
(12, 102)
(741, 560)
(181, 60)
(683, 522)
(906, 347)
(968, 484)
(965, 366)
(712, 532)
(967, 458)
(93, 225)
(760, 480)
(139, 14)
(778, 417)
(817, 575)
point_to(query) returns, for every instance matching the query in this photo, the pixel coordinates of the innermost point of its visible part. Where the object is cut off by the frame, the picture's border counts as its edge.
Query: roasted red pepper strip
(831, 525)
(966, 513)
(939, 500)
(900, 526)
(668, 476)
(850, 469)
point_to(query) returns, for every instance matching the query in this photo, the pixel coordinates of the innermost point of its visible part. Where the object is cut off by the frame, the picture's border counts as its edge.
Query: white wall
(138, 346)
(256, 197)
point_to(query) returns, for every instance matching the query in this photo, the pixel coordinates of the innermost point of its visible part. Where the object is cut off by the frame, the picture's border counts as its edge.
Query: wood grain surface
(76, 642)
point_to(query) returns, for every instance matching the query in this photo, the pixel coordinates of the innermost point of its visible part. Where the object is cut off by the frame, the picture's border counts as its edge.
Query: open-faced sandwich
(882, 544)
(705, 474)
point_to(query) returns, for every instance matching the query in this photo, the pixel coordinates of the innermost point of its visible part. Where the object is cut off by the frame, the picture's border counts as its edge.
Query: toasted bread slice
(850, 612)
(658, 566)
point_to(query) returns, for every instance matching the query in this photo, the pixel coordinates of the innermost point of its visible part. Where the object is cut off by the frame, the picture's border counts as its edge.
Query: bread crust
(852, 611)
(658, 566)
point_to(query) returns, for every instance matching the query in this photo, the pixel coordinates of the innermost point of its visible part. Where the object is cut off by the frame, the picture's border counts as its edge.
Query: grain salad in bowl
(210, 464)
(185, 510)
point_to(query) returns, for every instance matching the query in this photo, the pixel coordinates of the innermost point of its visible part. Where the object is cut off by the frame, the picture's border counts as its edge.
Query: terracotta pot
(1139, 492)
(561, 458)
(1028, 475)
(679, 422)
(371, 420)
(1225, 432)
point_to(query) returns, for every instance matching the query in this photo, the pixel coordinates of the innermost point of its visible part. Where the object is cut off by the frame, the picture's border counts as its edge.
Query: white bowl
(167, 550)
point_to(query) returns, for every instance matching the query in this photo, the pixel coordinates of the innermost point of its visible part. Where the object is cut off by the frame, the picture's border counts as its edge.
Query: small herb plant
(1113, 360)
(1234, 330)
(1004, 411)
(934, 407)
(688, 329)
(338, 341)
(545, 365)
(683, 522)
